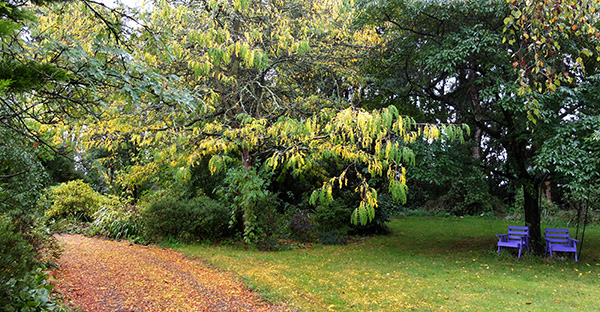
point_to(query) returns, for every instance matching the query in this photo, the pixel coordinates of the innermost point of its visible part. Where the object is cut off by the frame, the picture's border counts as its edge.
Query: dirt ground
(102, 275)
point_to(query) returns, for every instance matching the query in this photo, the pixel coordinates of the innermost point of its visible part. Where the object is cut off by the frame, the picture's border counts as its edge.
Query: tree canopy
(451, 60)
(336, 94)
(251, 84)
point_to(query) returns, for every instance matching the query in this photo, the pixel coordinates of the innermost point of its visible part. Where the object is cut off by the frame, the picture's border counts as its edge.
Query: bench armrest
(502, 237)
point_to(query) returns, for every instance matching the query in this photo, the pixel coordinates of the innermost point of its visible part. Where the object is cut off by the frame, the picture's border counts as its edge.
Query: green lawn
(426, 264)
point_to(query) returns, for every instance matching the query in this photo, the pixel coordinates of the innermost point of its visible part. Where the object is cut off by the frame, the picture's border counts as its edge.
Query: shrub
(334, 215)
(468, 195)
(270, 243)
(302, 227)
(383, 214)
(199, 218)
(117, 221)
(23, 176)
(46, 246)
(212, 219)
(333, 221)
(31, 293)
(17, 255)
(332, 218)
(164, 218)
(549, 212)
(23, 283)
(269, 221)
(75, 199)
(248, 193)
(333, 237)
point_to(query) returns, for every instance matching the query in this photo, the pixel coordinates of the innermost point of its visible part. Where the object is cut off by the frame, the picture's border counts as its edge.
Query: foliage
(188, 220)
(302, 227)
(41, 84)
(557, 41)
(574, 154)
(270, 243)
(22, 177)
(333, 217)
(333, 237)
(17, 74)
(30, 293)
(17, 253)
(112, 168)
(74, 199)
(22, 180)
(61, 167)
(445, 60)
(386, 208)
(24, 250)
(271, 221)
(449, 60)
(558, 53)
(67, 226)
(203, 182)
(448, 178)
(119, 223)
(204, 71)
(468, 195)
(45, 83)
(334, 225)
(568, 214)
(329, 224)
(259, 82)
(247, 191)
(358, 138)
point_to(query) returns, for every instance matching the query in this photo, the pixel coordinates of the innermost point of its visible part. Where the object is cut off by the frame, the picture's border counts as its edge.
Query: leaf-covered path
(103, 275)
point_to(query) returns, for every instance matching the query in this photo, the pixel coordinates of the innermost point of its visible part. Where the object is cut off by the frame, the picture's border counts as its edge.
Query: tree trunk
(476, 153)
(477, 114)
(520, 154)
(532, 216)
(248, 205)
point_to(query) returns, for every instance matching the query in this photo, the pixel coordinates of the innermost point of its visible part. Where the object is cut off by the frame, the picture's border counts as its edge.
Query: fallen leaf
(97, 274)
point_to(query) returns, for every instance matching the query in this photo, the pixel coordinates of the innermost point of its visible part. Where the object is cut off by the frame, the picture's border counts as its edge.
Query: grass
(426, 264)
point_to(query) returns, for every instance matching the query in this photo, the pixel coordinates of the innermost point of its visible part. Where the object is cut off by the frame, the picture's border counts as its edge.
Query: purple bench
(517, 237)
(559, 240)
